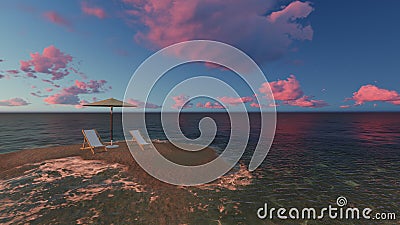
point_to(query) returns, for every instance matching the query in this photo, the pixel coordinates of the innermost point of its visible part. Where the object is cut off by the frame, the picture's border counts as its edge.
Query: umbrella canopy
(111, 102)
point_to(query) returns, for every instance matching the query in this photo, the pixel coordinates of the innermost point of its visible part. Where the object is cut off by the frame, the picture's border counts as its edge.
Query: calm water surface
(315, 157)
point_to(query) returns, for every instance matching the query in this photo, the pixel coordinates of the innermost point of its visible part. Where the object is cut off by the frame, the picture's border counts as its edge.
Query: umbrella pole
(111, 125)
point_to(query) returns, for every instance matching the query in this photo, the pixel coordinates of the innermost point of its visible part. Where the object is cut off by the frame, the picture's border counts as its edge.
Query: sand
(125, 194)
(10, 161)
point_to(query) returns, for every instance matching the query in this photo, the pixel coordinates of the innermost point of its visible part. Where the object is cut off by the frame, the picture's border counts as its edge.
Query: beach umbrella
(111, 102)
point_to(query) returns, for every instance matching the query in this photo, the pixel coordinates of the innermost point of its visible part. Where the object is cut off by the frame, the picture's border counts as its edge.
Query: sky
(316, 55)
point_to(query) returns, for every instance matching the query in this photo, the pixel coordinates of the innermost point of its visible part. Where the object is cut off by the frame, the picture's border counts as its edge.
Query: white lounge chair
(138, 138)
(92, 139)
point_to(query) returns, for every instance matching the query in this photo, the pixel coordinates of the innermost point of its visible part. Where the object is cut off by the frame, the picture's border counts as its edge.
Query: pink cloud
(283, 90)
(25, 66)
(81, 74)
(51, 82)
(215, 66)
(181, 101)
(93, 11)
(47, 81)
(210, 105)
(258, 105)
(273, 105)
(56, 18)
(81, 103)
(295, 10)
(236, 101)
(94, 85)
(289, 91)
(30, 74)
(345, 106)
(396, 102)
(371, 93)
(233, 22)
(62, 99)
(69, 95)
(48, 89)
(52, 61)
(37, 94)
(255, 105)
(307, 102)
(13, 102)
(141, 104)
(13, 72)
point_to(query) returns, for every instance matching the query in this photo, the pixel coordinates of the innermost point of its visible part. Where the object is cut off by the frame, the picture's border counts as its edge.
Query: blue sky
(336, 50)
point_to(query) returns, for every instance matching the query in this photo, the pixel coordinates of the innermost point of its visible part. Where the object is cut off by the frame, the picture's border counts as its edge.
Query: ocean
(315, 157)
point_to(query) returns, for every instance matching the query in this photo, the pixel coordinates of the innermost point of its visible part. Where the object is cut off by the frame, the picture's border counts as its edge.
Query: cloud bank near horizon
(14, 102)
(372, 93)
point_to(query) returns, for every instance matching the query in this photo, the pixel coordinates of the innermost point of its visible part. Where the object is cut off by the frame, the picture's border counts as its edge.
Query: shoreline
(67, 185)
(12, 161)
(64, 178)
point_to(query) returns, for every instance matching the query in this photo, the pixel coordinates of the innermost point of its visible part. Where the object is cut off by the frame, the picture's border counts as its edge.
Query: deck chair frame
(89, 146)
(134, 138)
